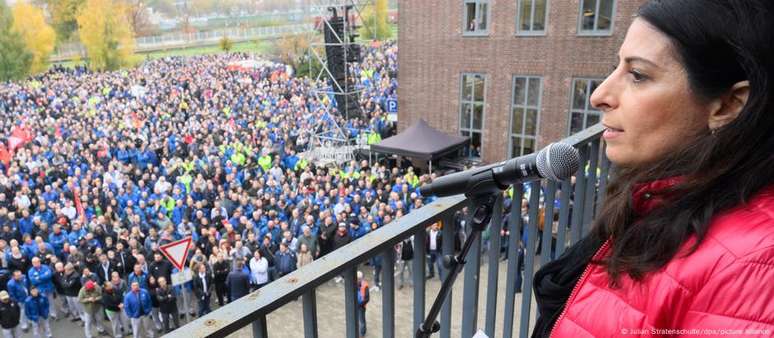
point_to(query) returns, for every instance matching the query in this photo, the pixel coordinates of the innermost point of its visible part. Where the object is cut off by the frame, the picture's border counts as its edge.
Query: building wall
(434, 54)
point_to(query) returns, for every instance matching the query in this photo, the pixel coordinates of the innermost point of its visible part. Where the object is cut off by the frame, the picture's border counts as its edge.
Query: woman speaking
(685, 243)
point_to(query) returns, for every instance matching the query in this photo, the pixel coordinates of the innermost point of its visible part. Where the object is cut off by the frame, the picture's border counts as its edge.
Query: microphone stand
(482, 214)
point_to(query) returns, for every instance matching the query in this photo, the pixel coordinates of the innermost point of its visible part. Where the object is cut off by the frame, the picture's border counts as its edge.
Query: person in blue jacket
(17, 289)
(137, 305)
(36, 308)
(41, 277)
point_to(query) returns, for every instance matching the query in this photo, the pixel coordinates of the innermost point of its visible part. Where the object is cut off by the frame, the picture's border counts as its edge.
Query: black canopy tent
(421, 141)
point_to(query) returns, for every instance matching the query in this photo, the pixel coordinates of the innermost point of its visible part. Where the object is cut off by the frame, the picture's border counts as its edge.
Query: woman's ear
(730, 106)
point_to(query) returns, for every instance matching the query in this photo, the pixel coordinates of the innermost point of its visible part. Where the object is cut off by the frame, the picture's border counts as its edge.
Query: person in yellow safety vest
(188, 166)
(186, 180)
(411, 179)
(301, 164)
(238, 158)
(265, 162)
(374, 138)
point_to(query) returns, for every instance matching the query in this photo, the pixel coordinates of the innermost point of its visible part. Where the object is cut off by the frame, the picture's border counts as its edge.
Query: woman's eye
(638, 77)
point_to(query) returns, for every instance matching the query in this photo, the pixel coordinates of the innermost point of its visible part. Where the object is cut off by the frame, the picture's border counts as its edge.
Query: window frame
(469, 130)
(531, 32)
(465, 31)
(525, 105)
(595, 31)
(587, 107)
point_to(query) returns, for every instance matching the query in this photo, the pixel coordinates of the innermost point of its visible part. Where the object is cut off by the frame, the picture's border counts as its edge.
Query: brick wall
(433, 55)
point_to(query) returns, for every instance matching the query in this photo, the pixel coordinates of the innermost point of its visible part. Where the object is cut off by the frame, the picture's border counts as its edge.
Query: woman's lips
(611, 133)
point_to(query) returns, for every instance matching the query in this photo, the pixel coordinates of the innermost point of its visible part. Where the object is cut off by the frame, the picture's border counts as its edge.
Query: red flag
(78, 204)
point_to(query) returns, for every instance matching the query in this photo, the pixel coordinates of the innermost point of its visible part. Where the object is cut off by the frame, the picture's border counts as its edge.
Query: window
(596, 17)
(472, 112)
(582, 114)
(531, 17)
(525, 111)
(476, 17)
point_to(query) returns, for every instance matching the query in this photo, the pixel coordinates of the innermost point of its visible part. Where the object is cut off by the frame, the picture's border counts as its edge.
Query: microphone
(557, 161)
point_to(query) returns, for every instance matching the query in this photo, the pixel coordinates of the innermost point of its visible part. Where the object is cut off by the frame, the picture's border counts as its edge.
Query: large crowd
(100, 169)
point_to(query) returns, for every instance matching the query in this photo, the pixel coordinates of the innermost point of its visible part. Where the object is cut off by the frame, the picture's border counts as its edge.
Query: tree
(15, 59)
(106, 32)
(291, 48)
(63, 16)
(225, 44)
(37, 34)
(138, 17)
(375, 22)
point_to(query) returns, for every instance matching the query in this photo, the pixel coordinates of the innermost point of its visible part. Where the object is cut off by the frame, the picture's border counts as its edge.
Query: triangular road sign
(177, 252)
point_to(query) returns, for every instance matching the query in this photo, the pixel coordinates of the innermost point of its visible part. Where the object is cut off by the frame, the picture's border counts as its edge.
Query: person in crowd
(10, 315)
(285, 260)
(36, 309)
(363, 297)
(137, 305)
(41, 277)
(221, 269)
(304, 255)
(90, 297)
(167, 305)
(433, 246)
(71, 286)
(202, 288)
(238, 282)
(259, 271)
(17, 288)
(113, 301)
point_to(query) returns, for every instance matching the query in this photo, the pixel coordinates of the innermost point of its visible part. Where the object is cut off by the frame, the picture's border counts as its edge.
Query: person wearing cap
(41, 276)
(36, 308)
(10, 315)
(137, 305)
(90, 296)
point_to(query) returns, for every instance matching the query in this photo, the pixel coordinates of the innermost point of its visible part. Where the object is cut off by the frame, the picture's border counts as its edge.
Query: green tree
(37, 34)
(106, 32)
(375, 22)
(15, 58)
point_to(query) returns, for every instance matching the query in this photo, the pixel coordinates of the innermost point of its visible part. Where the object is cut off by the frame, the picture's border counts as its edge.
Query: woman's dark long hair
(719, 42)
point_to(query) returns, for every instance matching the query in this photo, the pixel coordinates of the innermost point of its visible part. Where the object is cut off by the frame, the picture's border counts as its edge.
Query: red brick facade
(434, 54)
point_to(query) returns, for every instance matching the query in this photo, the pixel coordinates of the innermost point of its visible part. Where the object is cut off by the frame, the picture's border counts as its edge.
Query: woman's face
(649, 109)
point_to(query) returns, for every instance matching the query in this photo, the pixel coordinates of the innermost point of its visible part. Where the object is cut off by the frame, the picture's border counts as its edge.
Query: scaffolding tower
(335, 83)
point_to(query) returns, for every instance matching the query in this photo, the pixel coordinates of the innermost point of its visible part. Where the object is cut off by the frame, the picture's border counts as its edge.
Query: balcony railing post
(579, 196)
(564, 217)
(388, 293)
(471, 286)
(419, 277)
(529, 257)
(447, 247)
(513, 280)
(547, 252)
(310, 314)
(350, 300)
(603, 177)
(591, 186)
(260, 329)
(493, 267)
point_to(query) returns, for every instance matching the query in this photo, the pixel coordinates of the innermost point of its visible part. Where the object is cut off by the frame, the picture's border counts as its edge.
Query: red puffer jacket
(725, 288)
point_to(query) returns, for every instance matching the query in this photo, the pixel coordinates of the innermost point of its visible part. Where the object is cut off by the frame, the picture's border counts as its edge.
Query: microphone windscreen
(558, 161)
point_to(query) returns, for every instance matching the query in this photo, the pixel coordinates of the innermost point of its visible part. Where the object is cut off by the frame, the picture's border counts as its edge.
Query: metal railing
(577, 204)
(194, 39)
